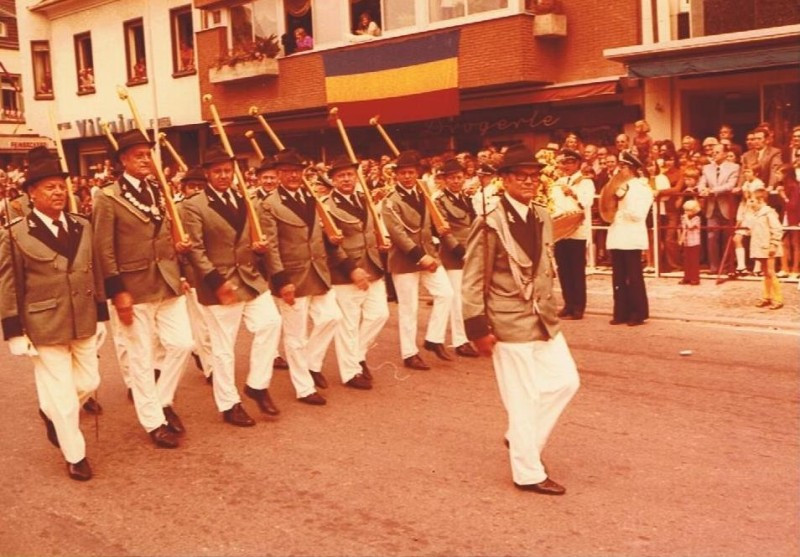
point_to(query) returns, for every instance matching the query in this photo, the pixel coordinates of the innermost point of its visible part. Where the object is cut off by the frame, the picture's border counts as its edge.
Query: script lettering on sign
(483, 127)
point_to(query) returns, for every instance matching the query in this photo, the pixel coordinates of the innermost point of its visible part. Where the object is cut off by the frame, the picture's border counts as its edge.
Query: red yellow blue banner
(416, 79)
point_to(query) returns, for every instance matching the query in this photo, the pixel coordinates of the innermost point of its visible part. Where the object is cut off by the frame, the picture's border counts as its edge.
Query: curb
(731, 321)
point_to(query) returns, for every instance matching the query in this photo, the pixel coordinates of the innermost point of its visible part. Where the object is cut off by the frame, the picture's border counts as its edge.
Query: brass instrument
(381, 234)
(253, 143)
(256, 234)
(73, 202)
(178, 232)
(162, 138)
(436, 216)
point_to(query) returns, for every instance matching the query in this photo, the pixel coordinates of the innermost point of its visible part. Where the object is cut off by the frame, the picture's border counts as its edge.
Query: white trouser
(66, 374)
(536, 381)
(457, 333)
(262, 319)
(364, 313)
(407, 287)
(167, 321)
(119, 345)
(202, 339)
(305, 352)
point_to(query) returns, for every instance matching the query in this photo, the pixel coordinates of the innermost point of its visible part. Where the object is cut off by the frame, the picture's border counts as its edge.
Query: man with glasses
(510, 315)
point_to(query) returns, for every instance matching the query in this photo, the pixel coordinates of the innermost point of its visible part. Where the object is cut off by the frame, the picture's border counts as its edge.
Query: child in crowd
(642, 141)
(750, 184)
(765, 245)
(689, 238)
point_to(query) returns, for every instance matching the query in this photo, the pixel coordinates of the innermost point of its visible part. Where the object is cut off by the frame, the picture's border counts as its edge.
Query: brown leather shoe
(359, 382)
(91, 406)
(238, 416)
(319, 380)
(315, 399)
(174, 423)
(279, 363)
(467, 351)
(80, 471)
(546, 487)
(51, 430)
(163, 437)
(415, 362)
(262, 398)
(438, 349)
(365, 370)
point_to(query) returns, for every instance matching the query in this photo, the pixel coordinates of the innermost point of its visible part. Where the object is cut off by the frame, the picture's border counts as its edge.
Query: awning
(483, 98)
(758, 49)
(18, 144)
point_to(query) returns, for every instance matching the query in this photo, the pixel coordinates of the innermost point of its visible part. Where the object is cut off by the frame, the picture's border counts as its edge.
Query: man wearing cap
(231, 286)
(456, 207)
(52, 304)
(573, 192)
(487, 193)
(627, 237)
(139, 263)
(510, 315)
(413, 258)
(364, 306)
(301, 276)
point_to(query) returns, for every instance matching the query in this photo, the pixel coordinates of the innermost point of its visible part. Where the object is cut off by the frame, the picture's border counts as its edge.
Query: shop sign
(15, 143)
(525, 122)
(92, 128)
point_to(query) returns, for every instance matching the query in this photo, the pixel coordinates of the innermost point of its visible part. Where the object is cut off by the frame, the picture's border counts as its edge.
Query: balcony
(243, 70)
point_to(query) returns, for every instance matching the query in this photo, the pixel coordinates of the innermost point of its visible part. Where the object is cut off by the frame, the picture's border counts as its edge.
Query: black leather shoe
(359, 382)
(315, 399)
(174, 423)
(51, 430)
(262, 398)
(197, 361)
(546, 487)
(564, 312)
(466, 350)
(279, 363)
(365, 370)
(91, 406)
(438, 349)
(319, 380)
(415, 362)
(163, 437)
(238, 416)
(80, 471)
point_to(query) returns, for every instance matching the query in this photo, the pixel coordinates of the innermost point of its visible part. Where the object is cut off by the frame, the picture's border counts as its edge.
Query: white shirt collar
(49, 221)
(223, 196)
(135, 182)
(520, 208)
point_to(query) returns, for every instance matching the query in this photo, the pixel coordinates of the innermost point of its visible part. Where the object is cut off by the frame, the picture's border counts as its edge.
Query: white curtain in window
(398, 14)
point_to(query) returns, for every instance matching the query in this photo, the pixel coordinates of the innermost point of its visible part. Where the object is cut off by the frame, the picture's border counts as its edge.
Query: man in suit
(717, 180)
(301, 276)
(231, 286)
(413, 259)
(510, 314)
(364, 306)
(573, 192)
(139, 263)
(457, 208)
(52, 304)
(764, 158)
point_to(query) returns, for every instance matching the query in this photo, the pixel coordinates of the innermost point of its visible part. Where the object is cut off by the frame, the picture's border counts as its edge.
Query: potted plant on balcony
(251, 59)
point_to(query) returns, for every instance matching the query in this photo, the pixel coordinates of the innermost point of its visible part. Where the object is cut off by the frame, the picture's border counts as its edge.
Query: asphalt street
(661, 453)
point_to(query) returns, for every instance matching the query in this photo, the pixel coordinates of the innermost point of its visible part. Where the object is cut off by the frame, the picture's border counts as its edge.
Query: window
(398, 14)
(3, 29)
(299, 34)
(212, 18)
(365, 18)
(182, 41)
(449, 9)
(42, 73)
(250, 22)
(11, 108)
(84, 64)
(135, 52)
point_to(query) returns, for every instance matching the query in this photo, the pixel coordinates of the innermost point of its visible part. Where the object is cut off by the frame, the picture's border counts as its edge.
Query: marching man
(510, 314)
(51, 299)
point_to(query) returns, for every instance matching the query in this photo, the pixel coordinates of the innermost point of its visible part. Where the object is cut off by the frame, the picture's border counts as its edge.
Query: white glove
(21, 346)
(102, 333)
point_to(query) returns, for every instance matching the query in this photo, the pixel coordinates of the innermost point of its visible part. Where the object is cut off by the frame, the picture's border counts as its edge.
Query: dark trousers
(717, 241)
(691, 263)
(630, 296)
(571, 260)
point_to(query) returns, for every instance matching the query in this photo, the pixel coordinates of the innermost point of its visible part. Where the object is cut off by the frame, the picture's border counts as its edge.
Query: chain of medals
(152, 210)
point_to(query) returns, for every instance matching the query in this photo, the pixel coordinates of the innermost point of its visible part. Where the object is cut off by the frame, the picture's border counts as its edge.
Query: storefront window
(449, 9)
(42, 73)
(781, 110)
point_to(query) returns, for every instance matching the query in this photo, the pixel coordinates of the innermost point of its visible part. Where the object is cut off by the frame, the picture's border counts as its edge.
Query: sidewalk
(732, 302)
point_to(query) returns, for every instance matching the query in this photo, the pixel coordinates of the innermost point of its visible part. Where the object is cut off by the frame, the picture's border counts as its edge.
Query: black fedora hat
(451, 166)
(267, 163)
(131, 138)
(341, 162)
(289, 157)
(406, 159)
(570, 154)
(42, 164)
(215, 155)
(519, 155)
(626, 157)
(194, 174)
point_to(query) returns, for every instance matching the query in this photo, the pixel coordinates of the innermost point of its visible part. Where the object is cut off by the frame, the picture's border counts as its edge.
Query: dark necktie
(354, 201)
(227, 197)
(61, 236)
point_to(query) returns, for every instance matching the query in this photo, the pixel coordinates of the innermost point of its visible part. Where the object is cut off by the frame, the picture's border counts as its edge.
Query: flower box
(243, 70)
(550, 26)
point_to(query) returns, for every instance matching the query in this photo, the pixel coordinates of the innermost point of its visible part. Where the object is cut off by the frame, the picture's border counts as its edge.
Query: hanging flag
(416, 79)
